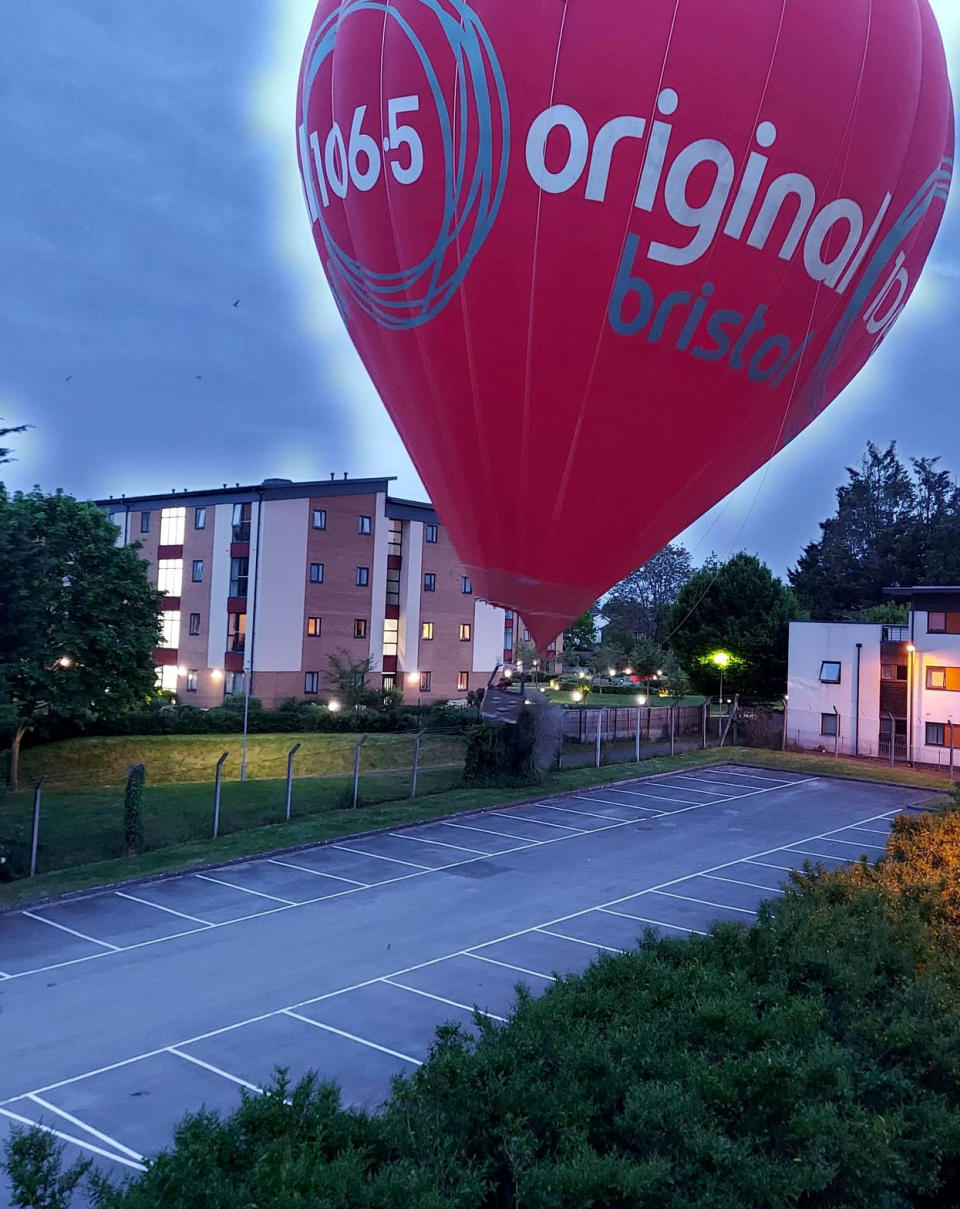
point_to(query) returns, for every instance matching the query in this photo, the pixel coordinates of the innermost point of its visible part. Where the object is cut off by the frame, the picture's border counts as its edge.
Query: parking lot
(122, 1010)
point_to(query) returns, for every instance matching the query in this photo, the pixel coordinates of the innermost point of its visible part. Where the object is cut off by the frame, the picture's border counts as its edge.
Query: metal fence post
(356, 771)
(893, 738)
(703, 725)
(216, 795)
(599, 733)
(673, 721)
(950, 725)
(413, 774)
(35, 837)
(290, 754)
(783, 745)
(836, 732)
(637, 752)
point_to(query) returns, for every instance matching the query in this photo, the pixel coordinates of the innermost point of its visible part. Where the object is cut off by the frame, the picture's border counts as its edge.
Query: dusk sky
(148, 181)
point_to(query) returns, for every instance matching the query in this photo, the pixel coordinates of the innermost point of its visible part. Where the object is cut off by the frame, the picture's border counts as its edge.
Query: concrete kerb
(478, 812)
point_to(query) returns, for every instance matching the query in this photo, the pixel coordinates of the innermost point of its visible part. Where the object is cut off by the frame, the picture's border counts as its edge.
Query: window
(360, 627)
(172, 523)
(170, 576)
(241, 522)
(171, 629)
(363, 576)
(429, 582)
(425, 682)
(388, 682)
(508, 640)
(828, 724)
(316, 573)
(895, 633)
(464, 632)
(239, 575)
(144, 522)
(363, 525)
(393, 586)
(829, 672)
(943, 623)
(426, 631)
(194, 624)
(391, 636)
(893, 671)
(463, 681)
(508, 615)
(466, 587)
(233, 683)
(314, 626)
(430, 533)
(944, 678)
(526, 635)
(197, 576)
(199, 518)
(936, 735)
(167, 678)
(193, 677)
(311, 683)
(319, 518)
(395, 538)
(236, 632)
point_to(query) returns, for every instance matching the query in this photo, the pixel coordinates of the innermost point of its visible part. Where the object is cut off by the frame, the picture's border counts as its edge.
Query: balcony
(241, 532)
(895, 633)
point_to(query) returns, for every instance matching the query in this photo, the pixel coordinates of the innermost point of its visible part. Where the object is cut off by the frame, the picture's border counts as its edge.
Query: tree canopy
(78, 618)
(637, 606)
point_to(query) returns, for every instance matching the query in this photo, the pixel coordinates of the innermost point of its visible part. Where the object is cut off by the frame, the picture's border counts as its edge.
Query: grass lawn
(178, 816)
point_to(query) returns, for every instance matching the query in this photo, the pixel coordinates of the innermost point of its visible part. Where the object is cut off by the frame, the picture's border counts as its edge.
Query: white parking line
(73, 932)
(657, 797)
(542, 823)
(705, 902)
(824, 856)
(352, 881)
(353, 1037)
(505, 835)
(860, 844)
(101, 1137)
(66, 1137)
(735, 881)
(872, 830)
(169, 910)
(643, 919)
(651, 811)
(770, 865)
(587, 814)
(419, 839)
(218, 881)
(216, 1070)
(700, 781)
(442, 999)
(591, 944)
(754, 776)
(507, 965)
(378, 857)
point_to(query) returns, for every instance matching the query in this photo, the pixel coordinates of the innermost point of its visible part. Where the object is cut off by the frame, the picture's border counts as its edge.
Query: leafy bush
(133, 809)
(503, 755)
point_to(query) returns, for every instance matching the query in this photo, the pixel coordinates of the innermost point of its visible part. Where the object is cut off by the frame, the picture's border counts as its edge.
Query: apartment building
(263, 583)
(888, 691)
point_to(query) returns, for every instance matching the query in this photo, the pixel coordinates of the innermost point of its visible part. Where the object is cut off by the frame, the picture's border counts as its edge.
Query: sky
(166, 323)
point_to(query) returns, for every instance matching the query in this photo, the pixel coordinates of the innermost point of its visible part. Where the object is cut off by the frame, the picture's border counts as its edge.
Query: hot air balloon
(584, 245)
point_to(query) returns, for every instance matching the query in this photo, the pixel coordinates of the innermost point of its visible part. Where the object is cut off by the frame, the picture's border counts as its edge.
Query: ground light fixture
(65, 661)
(576, 695)
(333, 706)
(641, 699)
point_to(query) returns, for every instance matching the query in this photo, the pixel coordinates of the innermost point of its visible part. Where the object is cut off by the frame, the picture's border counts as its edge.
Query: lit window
(311, 683)
(829, 672)
(360, 627)
(197, 576)
(239, 575)
(144, 522)
(388, 682)
(425, 682)
(193, 677)
(199, 518)
(233, 683)
(936, 623)
(391, 636)
(463, 681)
(170, 576)
(426, 630)
(236, 632)
(194, 624)
(363, 576)
(430, 533)
(319, 518)
(171, 629)
(466, 587)
(167, 678)
(464, 632)
(172, 524)
(363, 524)
(316, 573)
(828, 724)
(936, 677)
(314, 626)
(429, 582)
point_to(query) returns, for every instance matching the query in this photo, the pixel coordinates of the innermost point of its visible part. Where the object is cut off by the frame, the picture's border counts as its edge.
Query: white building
(887, 691)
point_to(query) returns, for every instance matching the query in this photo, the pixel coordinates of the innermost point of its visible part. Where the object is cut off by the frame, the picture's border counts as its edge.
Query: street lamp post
(721, 660)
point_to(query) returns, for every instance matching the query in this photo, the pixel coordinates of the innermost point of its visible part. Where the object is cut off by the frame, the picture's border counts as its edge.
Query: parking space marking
(770, 865)
(352, 881)
(102, 1137)
(643, 919)
(587, 814)
(860, 844)
(508, 965)
(872, 830)
(73, 932)
(3, 975)
(824, 856)
(169, 910)
(419, 839)
(636, 793)
(215, 1070)
(353, 1037)
(218, 881)
(543, 823)
(756, 776)
(652, 813)
(705, 902)
(377, 856)
(591, 944)
(66, 1137)
(700, 781)
(735, 881)
(442, 999)
(524, 839)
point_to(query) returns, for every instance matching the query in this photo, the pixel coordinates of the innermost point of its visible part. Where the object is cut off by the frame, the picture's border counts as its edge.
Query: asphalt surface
(121, 1011)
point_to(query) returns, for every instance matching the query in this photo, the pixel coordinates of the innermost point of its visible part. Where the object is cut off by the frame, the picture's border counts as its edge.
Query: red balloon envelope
(603, 259)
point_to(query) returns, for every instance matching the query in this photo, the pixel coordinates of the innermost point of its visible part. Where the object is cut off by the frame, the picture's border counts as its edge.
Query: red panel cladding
(392, 612)
(394, 562)
(239, 549)
(170, 604)
(169, 552)
(165, 656)
(389, 663)
(237, 604)
(233, 661)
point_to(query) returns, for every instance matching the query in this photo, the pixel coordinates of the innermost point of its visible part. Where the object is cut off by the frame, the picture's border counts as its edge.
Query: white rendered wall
(807, 698)
(487, 637)
(280, 596)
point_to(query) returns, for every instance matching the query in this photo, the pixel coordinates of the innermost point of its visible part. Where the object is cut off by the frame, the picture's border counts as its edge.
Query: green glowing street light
(721, 659)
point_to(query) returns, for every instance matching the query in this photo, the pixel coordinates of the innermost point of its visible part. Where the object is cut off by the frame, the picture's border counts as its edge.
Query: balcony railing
(896, 633)
(241, 532)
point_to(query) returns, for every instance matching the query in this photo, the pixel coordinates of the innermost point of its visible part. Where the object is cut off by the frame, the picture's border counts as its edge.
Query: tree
(739, 607)
(6, 432)
(582, 635)
(78, 618)
(637, 606)
(347, 677)
(133, 809)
